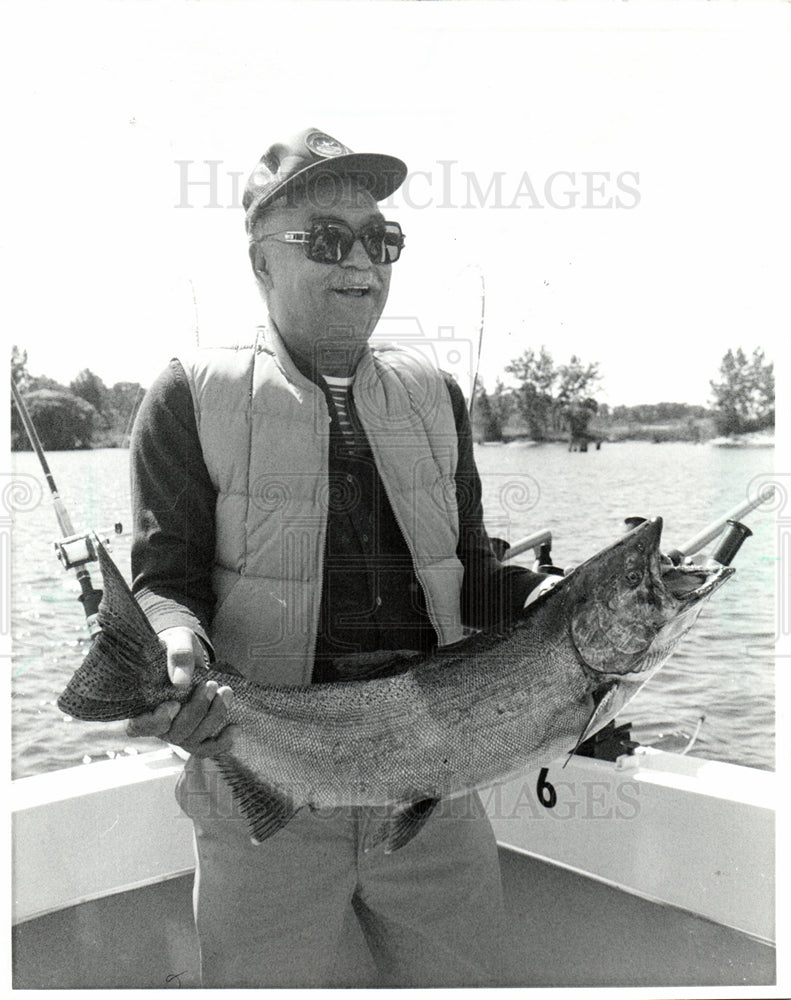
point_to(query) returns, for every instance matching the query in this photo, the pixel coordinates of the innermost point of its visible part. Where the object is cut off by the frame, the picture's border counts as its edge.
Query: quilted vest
(264, 431)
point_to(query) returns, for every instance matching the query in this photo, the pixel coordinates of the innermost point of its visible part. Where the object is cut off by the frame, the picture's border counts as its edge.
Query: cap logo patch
(324, 145)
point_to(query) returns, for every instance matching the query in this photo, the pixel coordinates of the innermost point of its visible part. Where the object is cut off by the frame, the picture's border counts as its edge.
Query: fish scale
(465, 716)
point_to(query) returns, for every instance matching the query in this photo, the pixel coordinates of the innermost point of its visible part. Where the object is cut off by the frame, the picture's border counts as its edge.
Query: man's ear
(257, 258)
(258, 262)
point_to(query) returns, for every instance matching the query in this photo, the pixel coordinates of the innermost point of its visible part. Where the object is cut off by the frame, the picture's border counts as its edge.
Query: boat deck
(568, 930)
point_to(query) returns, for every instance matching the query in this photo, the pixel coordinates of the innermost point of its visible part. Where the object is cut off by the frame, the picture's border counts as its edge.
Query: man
(305, 507)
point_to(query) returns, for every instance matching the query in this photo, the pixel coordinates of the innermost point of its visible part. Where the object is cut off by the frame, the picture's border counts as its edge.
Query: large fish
(467, 716)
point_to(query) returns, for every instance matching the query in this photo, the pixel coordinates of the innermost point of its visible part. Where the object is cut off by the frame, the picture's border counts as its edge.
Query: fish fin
(267, 809)
(119, 613)
(108, 684)
(603, 711)
(95, 710)
(400, 826)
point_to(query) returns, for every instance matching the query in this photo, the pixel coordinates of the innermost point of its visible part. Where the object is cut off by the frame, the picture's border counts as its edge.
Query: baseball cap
(287, 165)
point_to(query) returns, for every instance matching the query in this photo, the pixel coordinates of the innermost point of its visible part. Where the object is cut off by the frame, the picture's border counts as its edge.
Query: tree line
(84, 414)
(545, 401)
(549, 401)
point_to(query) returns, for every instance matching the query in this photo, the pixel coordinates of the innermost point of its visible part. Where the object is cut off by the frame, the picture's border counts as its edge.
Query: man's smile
(355, 291)
(353, 287)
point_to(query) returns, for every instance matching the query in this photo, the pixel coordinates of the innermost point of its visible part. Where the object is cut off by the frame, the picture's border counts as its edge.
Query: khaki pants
(273, 915)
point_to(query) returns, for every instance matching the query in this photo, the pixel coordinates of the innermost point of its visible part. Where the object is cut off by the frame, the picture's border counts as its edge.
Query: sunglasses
(329, 241)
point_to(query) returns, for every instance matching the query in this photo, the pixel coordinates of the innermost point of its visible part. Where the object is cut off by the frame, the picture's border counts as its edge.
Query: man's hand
(200, 725)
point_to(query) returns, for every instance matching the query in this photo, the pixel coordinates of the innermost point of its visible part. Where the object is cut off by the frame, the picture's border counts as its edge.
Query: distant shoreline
(660, 434)
(653, 435)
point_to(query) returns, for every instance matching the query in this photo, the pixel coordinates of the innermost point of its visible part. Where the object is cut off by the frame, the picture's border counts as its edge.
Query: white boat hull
(96, 842)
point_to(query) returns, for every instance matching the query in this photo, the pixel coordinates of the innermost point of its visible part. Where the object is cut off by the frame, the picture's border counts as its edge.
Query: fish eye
(632, 577)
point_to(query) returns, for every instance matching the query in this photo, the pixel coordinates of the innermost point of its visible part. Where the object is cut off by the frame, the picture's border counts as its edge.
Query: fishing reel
(541, 544)
(543, 562)
(78, 550)
(75, 552)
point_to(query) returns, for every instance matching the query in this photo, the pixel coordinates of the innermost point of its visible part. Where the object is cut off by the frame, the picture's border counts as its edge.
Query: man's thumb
(181, 653)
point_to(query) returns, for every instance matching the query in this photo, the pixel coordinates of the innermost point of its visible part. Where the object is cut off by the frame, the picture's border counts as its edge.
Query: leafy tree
(121, 405)
(576, 380)
(63, 420)
(577, 415)
(536, 376)
(91, 388)
(502, 403)
(545, 393)
(491, 412)
(20, 376)
(19, 372)
(482, 413)
(27, 384)
(763, 376)
(45, 382)
(744, 397)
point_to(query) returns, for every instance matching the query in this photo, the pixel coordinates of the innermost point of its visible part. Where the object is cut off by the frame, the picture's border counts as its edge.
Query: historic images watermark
(580, 799)
(18, 493)
(776, 487)
(211, 184)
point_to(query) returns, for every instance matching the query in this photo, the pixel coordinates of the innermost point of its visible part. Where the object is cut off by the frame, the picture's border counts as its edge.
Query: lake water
(724, 671)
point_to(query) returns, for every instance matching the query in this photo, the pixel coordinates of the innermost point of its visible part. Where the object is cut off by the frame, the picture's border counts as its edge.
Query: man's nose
(357, 257)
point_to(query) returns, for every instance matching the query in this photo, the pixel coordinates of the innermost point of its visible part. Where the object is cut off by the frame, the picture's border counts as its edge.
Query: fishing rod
(713, 530)
(480, 345)
(540, 541)
(74, 550)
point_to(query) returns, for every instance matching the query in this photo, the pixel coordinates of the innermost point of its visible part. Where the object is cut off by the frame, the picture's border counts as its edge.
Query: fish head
(626, 615)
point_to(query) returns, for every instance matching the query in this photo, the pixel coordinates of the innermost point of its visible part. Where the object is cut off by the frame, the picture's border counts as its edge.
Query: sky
(605, 179)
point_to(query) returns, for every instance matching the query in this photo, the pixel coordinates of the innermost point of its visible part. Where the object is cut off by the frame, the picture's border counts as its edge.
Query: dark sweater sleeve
(491, 591)
(173, 504)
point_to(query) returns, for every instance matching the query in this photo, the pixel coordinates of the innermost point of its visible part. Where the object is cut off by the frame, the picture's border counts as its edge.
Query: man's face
(325, 312)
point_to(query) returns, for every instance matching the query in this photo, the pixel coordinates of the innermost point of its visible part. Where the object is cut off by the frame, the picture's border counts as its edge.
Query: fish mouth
(715, 576)
(647, 537)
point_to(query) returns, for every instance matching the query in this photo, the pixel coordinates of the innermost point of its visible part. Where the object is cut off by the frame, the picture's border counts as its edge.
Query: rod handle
(731, 543)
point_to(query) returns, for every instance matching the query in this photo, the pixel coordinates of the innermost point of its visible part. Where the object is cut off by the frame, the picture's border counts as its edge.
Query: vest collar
(269, 340)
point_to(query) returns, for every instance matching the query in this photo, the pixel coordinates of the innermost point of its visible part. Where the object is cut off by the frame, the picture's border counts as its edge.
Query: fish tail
(112, 679)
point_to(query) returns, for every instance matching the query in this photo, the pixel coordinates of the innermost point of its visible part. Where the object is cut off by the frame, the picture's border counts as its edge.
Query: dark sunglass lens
(383, 242)
(393, 241)
(329, 242)
(373, 239)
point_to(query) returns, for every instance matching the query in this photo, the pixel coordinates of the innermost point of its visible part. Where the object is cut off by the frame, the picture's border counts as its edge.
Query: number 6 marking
(546, 793)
